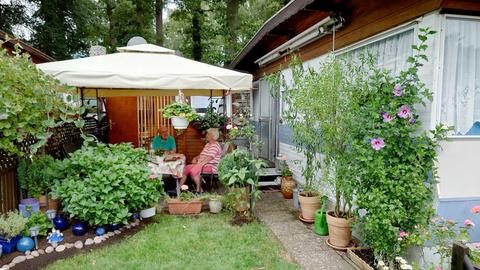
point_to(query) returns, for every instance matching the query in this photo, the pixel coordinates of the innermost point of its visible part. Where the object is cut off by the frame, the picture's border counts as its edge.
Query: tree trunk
(159, 22)
(232, 24)
(196, 32)
(112, 40)
(139, 9)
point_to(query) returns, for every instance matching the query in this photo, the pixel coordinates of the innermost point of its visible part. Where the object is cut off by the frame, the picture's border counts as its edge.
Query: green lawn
(206, 242)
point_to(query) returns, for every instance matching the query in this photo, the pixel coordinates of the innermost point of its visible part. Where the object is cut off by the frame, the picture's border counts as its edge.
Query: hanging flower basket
(179, 122)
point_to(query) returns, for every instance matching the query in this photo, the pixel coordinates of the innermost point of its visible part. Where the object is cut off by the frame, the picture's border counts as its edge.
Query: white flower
(385, 268)
(229, 126)
(184, 187)
(381, 263)
(402, 261)
(398, 259)
(399, 239)
(406, 267)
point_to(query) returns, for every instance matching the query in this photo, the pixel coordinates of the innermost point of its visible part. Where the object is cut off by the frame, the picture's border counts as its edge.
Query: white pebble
(41, 251)
(35, 253)
(19, 259)
(89, 242)
(60, 248)
(49, 250)
(29, 257)
(78, 244)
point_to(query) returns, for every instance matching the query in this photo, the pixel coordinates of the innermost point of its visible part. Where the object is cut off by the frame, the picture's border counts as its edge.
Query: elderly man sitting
(206, 162)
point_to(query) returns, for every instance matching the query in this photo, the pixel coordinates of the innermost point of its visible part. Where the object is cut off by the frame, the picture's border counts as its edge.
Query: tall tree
(159, 4)
(233, 7)
(12, 13)
(65, 28)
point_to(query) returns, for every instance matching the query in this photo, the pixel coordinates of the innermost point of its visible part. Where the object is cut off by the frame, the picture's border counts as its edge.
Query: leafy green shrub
(38, 176)
(211, 119)
(30, 104)
(11, 224)
(37, 219)
(104, 184)
(181, 110)
(395, 160)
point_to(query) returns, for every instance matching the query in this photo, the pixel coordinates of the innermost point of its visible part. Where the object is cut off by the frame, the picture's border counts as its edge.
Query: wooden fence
(65, 139)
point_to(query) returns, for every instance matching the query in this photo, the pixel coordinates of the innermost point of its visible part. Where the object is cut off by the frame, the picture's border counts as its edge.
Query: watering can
(321, 226)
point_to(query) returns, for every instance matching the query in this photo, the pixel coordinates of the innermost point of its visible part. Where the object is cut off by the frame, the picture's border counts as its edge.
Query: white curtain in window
(392, 52)
(460, 104)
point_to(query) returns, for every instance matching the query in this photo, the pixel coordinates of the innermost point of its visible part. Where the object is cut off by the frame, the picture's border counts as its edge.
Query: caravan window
(460, 95)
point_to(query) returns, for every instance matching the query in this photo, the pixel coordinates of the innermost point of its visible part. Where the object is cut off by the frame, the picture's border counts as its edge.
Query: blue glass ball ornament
(135, 216)
(79, 228)
(100, 231)
(25, 243)
(60, 222)
(114, 227)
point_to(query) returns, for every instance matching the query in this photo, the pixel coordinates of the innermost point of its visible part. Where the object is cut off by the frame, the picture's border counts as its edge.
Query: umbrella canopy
(145, 69)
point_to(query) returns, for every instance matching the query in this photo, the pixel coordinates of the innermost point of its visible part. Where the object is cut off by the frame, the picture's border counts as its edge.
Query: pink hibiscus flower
(377, 143)
(404, 112)
(403, 234)
(398, 90)
(387, 117)
(468, 223)
(475, 209)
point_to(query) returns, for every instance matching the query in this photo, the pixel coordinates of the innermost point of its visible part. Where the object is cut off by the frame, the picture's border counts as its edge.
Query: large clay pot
(177, 207)
(286, 186)
(308, 206)
(340, 230)
(52, 203)
(243, 203)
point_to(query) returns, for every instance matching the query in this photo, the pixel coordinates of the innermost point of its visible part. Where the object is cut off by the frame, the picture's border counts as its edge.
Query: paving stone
(300, 242)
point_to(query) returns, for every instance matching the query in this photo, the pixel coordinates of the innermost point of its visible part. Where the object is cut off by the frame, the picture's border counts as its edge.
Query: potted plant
(211, 119)
(238, 171)
(37, 177)
(186, 203)
(215, 203)
(11, 225)
(181, 114)
(287, 182)
(241, 135)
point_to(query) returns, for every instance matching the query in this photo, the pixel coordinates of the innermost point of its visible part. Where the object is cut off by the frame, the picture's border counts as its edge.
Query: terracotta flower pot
(340, 230)
(243, 203)
(287, 185)
(177, 207)
(52, 203)
(308, 205)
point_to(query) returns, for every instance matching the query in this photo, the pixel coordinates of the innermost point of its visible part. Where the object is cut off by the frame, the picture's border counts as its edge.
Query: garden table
(172, 164)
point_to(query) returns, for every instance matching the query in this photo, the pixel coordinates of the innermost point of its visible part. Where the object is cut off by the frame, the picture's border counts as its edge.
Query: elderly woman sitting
(206, 162)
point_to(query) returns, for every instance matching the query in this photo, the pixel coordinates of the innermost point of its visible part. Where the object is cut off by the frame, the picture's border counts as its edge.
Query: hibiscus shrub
(396, 169)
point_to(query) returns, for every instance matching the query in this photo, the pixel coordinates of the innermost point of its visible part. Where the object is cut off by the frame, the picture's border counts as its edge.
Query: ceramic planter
(340, 230)
(308, 206)
(28, 206)
(286, 186)
(359, 262)
(177, 207)
(149, 212)
(179, 122)
(9, 245)
(215, 205)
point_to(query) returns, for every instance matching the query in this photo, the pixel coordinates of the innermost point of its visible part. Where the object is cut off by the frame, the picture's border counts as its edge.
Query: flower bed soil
(47, 258)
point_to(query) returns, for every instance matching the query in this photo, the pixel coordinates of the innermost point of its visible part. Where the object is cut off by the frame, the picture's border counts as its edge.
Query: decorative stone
(54, 244)
(29, 257)
(97, 240)
(27, 252)
(117, 232)
(19, 259)
(11, 265)
(6, 267)
(41, 251)
(68, 245)
(49, 250)
(128, 226)
(100, 231)
(60, 248)
(78, 244)
(35, 253)
(110, 234)
(89, 242)
(133, 224)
